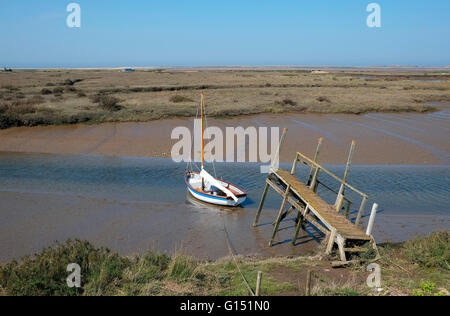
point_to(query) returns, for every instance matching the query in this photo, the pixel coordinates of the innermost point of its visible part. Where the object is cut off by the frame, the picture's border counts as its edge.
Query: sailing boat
(206, 188)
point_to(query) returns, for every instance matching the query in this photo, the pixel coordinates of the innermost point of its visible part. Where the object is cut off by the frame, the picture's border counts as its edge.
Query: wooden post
(299, 224)
(341, 245)
(361, 211)
(331, 241)
(258, 284)
(373, 214)
(285, 214)
(347, 209)
(261, 204)
(308, 283)
(347, 169)
(294, 165)
(316, 156)
(276, 158)
(314, 180)
(339, 202)
(280, 213)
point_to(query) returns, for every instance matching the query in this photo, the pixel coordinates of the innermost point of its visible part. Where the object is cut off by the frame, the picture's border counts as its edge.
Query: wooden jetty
(331, 220)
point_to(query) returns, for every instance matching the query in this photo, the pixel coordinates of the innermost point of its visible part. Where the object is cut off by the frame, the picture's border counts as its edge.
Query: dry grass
(151, 95)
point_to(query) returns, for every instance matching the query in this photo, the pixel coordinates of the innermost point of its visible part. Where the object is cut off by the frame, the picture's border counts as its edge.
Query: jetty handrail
(310, 162)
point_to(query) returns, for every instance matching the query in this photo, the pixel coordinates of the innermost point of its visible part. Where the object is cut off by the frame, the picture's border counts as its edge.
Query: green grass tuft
(432, 251)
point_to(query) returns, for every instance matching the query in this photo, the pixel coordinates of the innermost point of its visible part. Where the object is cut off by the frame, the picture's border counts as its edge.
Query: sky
(126, 33)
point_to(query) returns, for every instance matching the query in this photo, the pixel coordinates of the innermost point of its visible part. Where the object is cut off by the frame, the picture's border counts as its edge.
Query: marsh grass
(406, 266)
(410, 268)
(106, 273)
(181, 268)
(180, 99)
(430, 252)
(152, 95)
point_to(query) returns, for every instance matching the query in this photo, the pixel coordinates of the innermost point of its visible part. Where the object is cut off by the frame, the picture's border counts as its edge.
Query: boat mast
(203, 158)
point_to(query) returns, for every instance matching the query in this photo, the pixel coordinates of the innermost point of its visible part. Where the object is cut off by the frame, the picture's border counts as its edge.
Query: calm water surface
(130, 203)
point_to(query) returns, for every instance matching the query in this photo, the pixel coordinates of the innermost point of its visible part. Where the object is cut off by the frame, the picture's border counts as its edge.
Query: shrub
(70, 89)
(427, 289)
(323, 99)
(45, 273)
(69, 82)
(81, 94)
(3, 108)
(180, 99)
(106, 102)
(19, 107)
(58, 90)
(7, 121)
(286, 102)
(46, 91)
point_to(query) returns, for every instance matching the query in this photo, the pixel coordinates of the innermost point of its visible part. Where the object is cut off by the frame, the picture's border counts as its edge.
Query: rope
(235, 261)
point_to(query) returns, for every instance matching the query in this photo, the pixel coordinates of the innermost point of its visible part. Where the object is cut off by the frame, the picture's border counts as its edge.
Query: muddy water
(133, 204)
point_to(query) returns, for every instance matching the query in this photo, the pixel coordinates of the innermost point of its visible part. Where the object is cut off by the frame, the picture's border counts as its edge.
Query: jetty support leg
(331, 241)
(261, 205)
(285, 214)
(294, 165)
(339, 202)
(280, 213)
(341, 244)
(300, 223)
(313, 185)
(347, 210)
(361, 211)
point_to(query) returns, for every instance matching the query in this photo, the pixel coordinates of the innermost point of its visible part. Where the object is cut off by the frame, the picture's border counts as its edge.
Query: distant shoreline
(279, 68)
(255, 68)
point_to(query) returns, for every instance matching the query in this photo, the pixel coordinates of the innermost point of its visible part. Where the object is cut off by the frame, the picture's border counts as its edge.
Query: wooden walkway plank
(325, 212)
(311, 208)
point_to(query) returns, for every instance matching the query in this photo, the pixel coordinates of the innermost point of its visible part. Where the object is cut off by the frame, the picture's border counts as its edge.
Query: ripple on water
(414, 189)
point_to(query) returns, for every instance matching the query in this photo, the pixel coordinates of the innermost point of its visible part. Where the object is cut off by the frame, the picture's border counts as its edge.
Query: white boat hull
(193, 188)
(212, 200)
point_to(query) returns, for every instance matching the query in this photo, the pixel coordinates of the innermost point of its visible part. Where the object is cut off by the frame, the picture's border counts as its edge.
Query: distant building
(128, 70)
(319, 72)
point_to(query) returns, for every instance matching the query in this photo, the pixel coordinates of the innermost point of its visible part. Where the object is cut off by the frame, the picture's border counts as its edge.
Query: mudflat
(400, 138)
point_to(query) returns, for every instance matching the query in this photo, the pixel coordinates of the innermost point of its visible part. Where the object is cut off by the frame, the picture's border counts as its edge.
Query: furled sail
(211, 180)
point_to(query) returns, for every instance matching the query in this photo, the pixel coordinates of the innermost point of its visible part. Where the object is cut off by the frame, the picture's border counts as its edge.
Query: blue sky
(204, 33)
